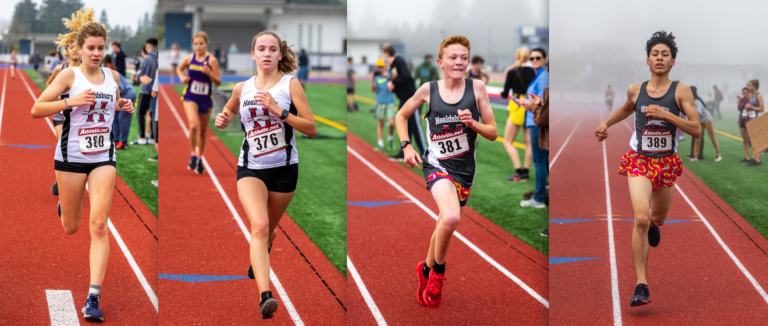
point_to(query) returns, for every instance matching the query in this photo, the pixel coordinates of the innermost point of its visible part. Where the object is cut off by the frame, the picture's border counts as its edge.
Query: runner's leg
(71, 192)
(444, 192)
(253, 196)
(101, 185)
(661, 200)
(510, 133)
(745, 141)
(193, 120)
(640, 190)
(203, 133)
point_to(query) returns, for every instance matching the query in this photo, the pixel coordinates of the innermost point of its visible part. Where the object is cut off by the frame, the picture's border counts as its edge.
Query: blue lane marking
(562, 260)
(573, 220)
(29, 146)
(199, 278)
(376, 203)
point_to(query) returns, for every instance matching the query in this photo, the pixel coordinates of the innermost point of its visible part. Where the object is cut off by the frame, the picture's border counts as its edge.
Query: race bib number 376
(657, 141)
(265, 140)
(94, 140)
(449, 144)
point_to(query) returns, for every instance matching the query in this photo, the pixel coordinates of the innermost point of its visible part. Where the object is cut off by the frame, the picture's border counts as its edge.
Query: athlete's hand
(656, 112)
(145, 79)
(466, 117)
(535, 100)
(125, 105)
(86, 97)
(185, 80)
(207, 70)
(411, 158)
(602, 132)
(390, 86)
(222, 120)
(154, 93)
(268, 102)
(748, 106)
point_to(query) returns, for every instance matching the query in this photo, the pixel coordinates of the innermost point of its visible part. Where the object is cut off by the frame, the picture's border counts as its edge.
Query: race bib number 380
(94, 140)
(199, 88)
(265, 140)
(657, 141)
(449, 144)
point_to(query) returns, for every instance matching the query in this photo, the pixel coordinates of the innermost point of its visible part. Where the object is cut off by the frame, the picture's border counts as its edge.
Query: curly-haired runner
(272, 107)
(85, 152)
(652, 166)
(69, 42)
(455, 105)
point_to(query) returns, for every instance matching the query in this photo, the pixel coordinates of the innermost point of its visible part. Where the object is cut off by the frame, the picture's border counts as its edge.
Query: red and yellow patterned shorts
(662, 171)
(461, 191)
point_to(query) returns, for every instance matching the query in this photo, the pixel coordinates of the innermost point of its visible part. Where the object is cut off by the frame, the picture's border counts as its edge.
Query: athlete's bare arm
(182, 66)
(421, 96)
(305, 121)
(622, 113)
(231, 108)
(373, 83)
(213, 71)
(484, 76)
(487, 128)
(49, 103)
(53, 75)
(684, 98)
(761, 108)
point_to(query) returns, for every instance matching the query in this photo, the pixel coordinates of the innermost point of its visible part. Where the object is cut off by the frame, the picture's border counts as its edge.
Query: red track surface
(385, 244)
(37, 255)
(691, 278)
(201, 237)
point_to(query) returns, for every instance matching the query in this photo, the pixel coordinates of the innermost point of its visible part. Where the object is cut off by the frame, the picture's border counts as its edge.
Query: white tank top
(86, 136)
(269, 142)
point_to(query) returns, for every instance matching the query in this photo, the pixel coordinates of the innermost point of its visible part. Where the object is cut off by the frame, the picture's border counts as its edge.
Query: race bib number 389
(657, 141)
(449, 144)
(199, 88)
(265, 140)
(94, 140)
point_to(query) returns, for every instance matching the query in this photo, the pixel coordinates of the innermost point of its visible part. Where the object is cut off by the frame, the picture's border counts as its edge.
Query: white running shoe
(532, 203)
(150, 141)
(718, 158)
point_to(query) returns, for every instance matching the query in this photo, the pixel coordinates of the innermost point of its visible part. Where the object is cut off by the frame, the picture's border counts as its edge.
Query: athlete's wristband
(65, 103)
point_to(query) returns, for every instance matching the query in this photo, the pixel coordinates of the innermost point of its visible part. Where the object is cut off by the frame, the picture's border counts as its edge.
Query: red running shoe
(422, 283)
(433, 293)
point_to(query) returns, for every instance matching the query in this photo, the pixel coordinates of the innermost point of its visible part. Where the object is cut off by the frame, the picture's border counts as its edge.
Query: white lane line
(272, 276)
(567, 140)
(611, 245)
(725, 247)
(61, 308)
(367, 296)
(456, 234)
(2, 104)
(134, 266)
(50, 124)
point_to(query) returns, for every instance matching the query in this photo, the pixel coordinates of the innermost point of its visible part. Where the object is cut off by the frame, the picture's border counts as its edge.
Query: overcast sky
(119, 12)
(724, 32)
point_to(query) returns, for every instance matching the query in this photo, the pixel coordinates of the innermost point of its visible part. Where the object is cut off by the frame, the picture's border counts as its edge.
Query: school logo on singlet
(254, 118)
(99, 108)
(447, 119)
(656, 137)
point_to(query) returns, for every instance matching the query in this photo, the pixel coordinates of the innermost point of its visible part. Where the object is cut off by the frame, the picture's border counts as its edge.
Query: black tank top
(451, 142)
(654, 137)
(64, 66)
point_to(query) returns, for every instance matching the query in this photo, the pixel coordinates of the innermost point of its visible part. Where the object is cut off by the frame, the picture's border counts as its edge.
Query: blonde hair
(288, 62)
(755, 83)
(202, 34)
(455, 39)
(91, 29)
(79, 19)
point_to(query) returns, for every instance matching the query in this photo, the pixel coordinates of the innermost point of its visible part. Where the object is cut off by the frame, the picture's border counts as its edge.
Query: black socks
(439, 269)
(425, 270)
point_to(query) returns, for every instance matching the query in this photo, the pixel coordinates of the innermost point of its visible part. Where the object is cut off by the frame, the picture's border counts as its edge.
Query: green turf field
(133, 166)
(319, 206)
(492, 197)
(742, 187)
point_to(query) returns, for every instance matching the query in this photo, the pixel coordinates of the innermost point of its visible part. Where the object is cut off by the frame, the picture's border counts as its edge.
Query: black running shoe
(153, 159)
(250, 268)
(58, 207)
(754, 163)
(642, 296)
(654, 236)
(397, 158)
(55, 188)
(745, 161)
(268, 305)
(192, 163)
(545, 233)
(199, 169)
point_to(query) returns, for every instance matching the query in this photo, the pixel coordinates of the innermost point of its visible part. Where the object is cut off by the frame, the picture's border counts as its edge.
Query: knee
(451, 220)
(193, 127)
(642, 221)
(98, 227)
(71, 229)
(260, 229)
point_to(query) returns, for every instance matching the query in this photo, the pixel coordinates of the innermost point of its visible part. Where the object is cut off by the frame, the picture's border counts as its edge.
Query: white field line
(566, 140)
(61, 308)
(367, 296)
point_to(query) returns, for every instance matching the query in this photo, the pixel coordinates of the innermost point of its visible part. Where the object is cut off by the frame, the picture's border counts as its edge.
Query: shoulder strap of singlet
(65, 65)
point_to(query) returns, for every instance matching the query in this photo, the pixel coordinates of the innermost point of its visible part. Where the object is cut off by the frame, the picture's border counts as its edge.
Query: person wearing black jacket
(403, 85)
(519, 76)
(118, 58)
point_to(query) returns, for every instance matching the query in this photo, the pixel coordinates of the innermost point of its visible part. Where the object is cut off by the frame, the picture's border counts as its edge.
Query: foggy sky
(119, 12)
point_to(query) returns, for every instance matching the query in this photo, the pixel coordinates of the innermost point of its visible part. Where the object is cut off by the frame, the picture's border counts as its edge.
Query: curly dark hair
(662, 37)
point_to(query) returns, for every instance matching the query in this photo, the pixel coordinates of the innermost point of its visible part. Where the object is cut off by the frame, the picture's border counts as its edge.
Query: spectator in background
(540, 157)
(540, 109)
(35, 61)
(303, 68)
(233, 48)
(173, 58)
(351, 106)
(218, 54)
(609, 96)
(718, 99)
(518, 78)
(385, 105)
(121, 124)
(476, 70)
(118, 58)
(424, 73)
(148, 68)
(706, 123)
(755, 107)
(55, 61)
(107, 62)
(137, 65)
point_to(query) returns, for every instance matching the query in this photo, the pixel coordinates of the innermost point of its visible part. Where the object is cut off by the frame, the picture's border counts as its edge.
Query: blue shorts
(303, 73)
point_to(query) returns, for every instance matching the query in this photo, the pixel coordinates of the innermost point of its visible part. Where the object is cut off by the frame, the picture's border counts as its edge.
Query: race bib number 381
(449, 144)
(657, 141)
(94, 140)
(265, 140)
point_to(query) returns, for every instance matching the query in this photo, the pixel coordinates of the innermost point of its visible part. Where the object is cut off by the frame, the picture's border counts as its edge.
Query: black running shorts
(84, 168)
(280, 179)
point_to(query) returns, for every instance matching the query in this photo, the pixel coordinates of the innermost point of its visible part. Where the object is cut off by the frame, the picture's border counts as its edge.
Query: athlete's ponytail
(79, 19)
(288, 63)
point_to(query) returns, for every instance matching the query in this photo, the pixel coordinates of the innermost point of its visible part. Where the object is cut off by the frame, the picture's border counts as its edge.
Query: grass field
(492, 197)
(133, 166)
(742, 187)
(319, 206)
